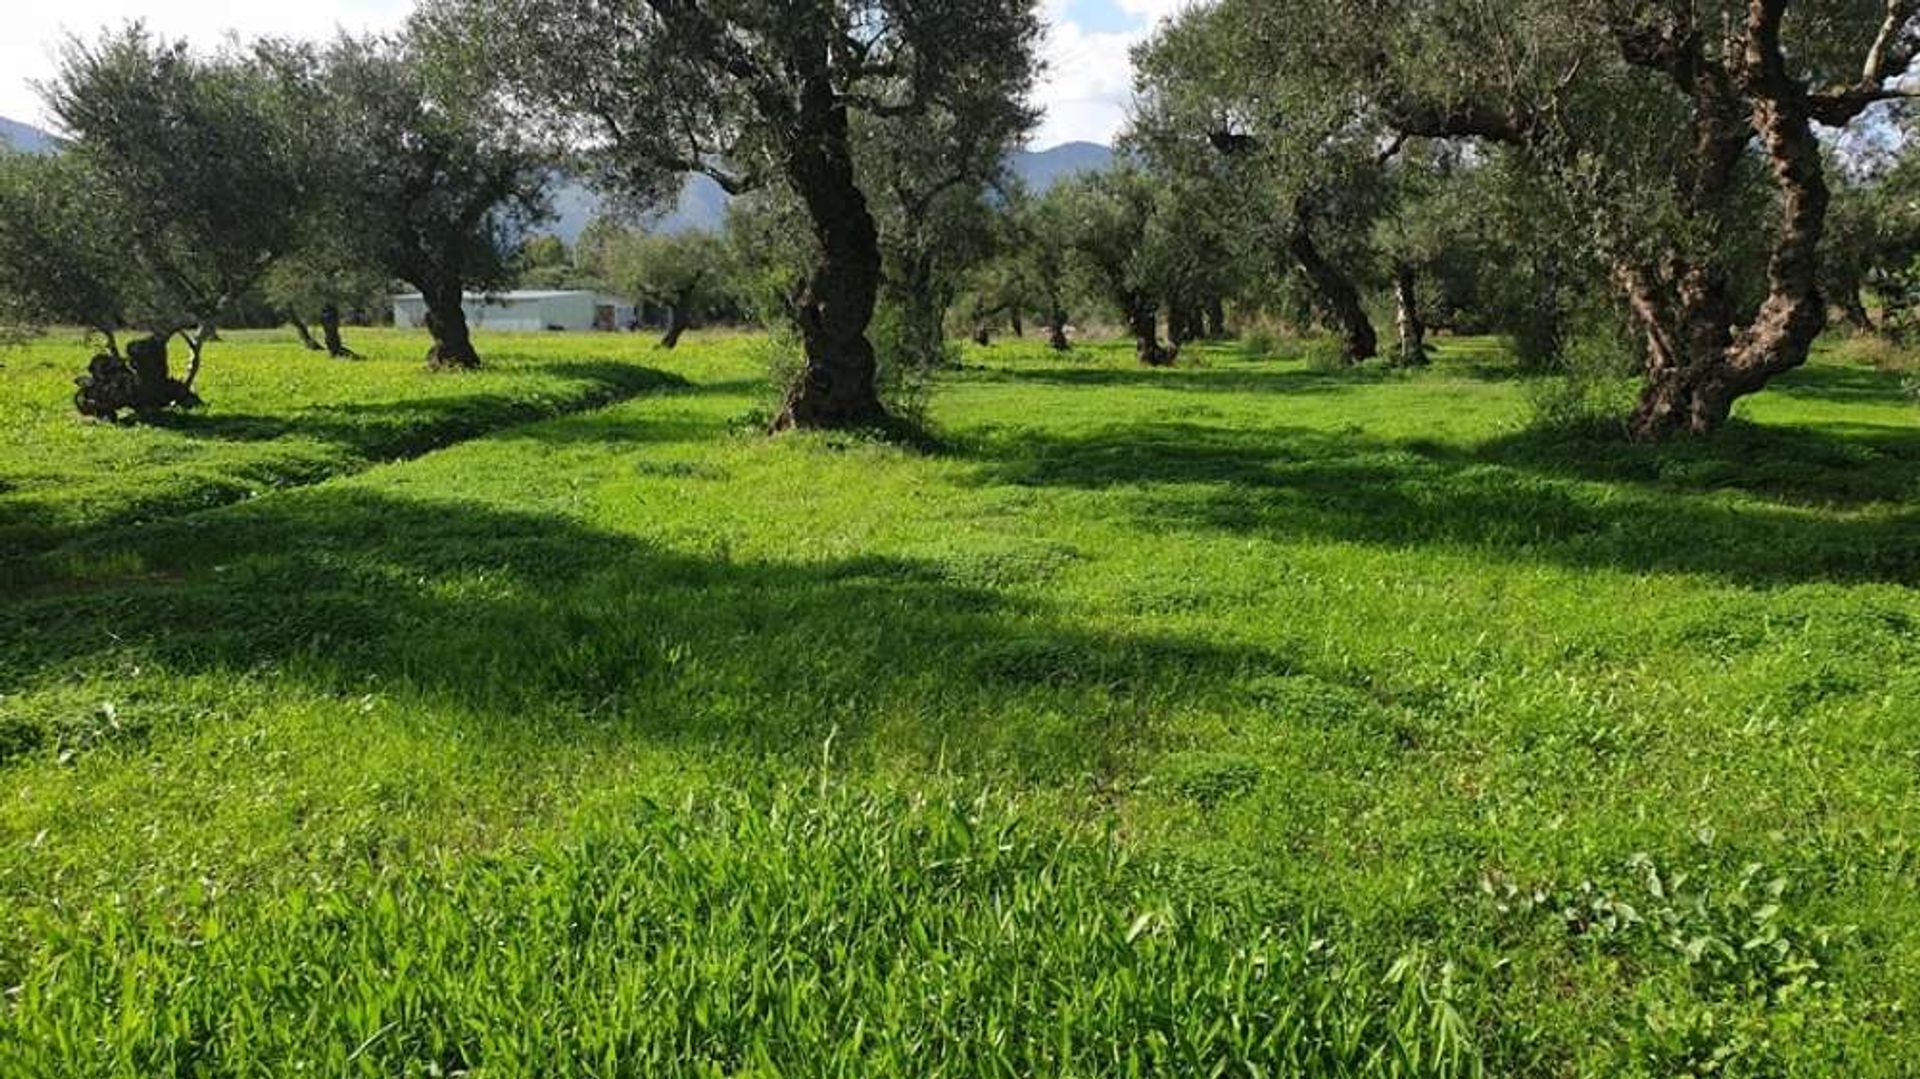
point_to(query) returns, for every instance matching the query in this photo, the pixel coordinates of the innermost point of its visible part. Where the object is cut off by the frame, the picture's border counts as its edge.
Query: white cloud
(1085, 89)
(35, 29)
(1089, 77)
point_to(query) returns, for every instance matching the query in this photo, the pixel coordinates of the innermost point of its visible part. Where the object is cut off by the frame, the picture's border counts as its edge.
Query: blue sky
(1085, 89)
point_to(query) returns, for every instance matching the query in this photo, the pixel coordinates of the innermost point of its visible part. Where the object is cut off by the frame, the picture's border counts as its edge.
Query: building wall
(570, 312)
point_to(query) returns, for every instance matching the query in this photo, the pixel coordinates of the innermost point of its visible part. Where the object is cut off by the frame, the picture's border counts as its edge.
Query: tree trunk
(1143, 319)
(452, 348)
(1179, 323)
(1336, 293)
(141, 383)
(1216, 319)
(1698, 362)
(676, 325)
(982, 332)
(1407, 321)
(305, 335)
(196, 347)
(839, 384)
(1019, 324)
(1057, 330)
(330, 331)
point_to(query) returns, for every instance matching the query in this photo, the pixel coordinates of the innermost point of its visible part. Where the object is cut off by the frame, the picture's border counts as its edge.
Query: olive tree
(751, 93)
(428, 179)
(1116, 231)
(1683, 130)
(1289, 177)
(193, 181)
(684, 274)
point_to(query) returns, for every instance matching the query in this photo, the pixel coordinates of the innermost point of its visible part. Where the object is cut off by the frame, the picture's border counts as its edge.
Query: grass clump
(791, 931)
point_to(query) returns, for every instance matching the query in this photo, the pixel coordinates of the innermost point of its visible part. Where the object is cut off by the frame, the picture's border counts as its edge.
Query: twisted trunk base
(452, 348)
(141, 383)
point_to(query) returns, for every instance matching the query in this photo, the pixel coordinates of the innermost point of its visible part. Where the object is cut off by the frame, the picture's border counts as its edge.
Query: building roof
(519, 294)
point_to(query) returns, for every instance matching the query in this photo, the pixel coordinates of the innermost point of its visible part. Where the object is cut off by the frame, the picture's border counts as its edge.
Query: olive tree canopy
(751, 93)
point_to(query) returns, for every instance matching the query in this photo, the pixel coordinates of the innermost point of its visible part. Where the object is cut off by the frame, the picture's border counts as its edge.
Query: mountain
(703, 205)
(1042, 169)
(26, 138)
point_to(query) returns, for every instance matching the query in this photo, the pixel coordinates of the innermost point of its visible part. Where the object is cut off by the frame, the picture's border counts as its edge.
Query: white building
(526, 310)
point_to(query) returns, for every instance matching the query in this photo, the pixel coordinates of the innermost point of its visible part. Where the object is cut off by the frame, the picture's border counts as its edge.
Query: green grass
(277, 419)
(1235, 719)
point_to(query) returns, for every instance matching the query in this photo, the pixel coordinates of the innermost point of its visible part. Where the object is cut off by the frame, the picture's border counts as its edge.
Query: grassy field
(1237, 719)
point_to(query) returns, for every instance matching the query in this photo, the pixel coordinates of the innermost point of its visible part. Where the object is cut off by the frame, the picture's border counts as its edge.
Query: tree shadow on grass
(1845, 384)
(519, 622)
(1831, 465)
(1274, 380)
(392, 430)
(352, 435)
(1513, 500)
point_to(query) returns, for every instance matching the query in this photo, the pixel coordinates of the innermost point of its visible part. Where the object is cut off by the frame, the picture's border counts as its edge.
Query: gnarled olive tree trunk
(1700, 360)
(1339, 300)
(452, 348)
(1143, 321)
(1057, 330)
(330, 332)
(141, 383)
(1216, 319)
(838, 386)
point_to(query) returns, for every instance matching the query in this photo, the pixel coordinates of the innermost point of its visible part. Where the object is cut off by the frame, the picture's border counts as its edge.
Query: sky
(1084, 89)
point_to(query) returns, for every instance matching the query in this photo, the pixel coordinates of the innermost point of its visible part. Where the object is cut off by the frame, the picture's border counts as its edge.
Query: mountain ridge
(702, 205)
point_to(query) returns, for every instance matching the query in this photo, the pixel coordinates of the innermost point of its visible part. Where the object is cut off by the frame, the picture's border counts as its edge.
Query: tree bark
(1412, 329)
(330, 332)
(305, 335)
(1179, 324)
(141, 383)
(452, 348)
(1143, 320)
(1337, 295)
(1699, 363)
(838, 385)
(1216, 319)
(1057, 331)
(676, 325)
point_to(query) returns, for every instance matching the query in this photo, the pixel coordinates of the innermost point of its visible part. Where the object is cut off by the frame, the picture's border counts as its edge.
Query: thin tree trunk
(1336, 293)
(676, 325)
(330, 331)
(1407, 321)
(196, 346)
(452, 348)
(305, 335)
(1216, 319)
(1057, 329)
(1019, 324)
(1143, 319)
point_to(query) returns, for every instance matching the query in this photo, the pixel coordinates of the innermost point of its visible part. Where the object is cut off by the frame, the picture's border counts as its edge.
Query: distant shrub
(1592, 393)
(1324, 354)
